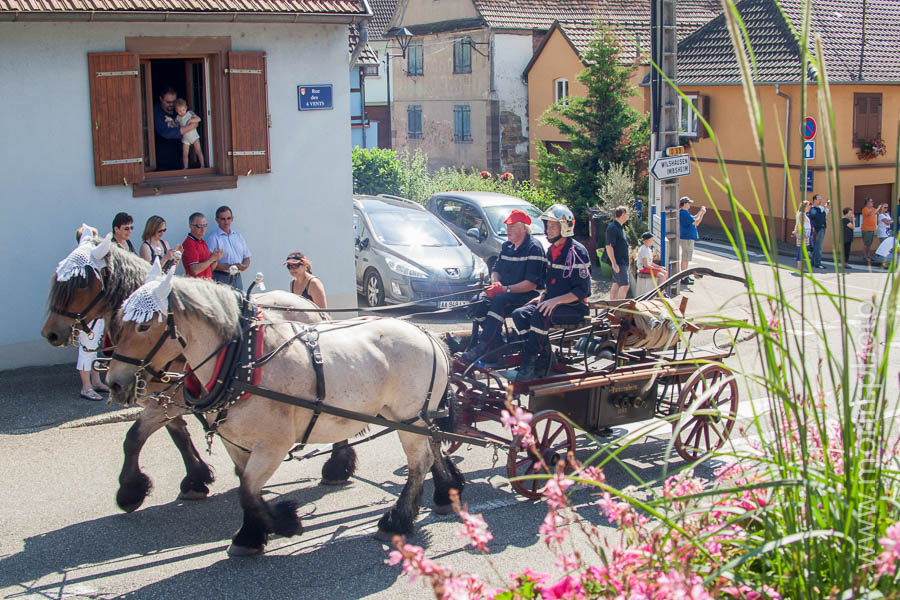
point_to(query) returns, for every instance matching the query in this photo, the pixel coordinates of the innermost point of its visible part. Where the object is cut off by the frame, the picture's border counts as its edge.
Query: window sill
(463, 141)
(183, 184)
(414, 137)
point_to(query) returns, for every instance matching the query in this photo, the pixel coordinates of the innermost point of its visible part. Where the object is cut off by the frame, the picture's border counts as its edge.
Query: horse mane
(125, 272)
(217, 304)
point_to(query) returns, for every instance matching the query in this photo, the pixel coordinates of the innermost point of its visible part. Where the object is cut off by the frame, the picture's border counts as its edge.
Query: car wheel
(374, 288)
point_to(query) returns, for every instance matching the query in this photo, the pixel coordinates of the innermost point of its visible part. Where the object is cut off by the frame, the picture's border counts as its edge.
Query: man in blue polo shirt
(516, 277)
(234, 250)
(688, 226)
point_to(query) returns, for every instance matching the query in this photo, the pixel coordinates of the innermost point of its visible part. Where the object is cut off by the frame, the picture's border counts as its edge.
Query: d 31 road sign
(669, 167)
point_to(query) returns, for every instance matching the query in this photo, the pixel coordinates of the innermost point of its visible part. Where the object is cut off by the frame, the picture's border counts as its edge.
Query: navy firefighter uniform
(491, 307)
(568, 270)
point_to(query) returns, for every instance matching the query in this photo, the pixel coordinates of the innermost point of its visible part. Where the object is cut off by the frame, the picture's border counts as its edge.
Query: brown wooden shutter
(116, 118)
(874, 116)
(703, 101)
(249, 113)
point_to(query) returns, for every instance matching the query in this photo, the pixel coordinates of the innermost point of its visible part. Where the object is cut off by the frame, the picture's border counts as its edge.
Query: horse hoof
(335, 482)
(234, 550)
(193, 495)
(385, 536)
(443, 509)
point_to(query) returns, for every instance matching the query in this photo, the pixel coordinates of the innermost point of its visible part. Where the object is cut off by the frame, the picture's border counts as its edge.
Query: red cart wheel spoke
(547, 427)
(716, 384)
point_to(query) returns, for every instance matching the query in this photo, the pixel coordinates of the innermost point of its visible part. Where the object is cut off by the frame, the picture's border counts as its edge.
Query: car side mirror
(474, 233)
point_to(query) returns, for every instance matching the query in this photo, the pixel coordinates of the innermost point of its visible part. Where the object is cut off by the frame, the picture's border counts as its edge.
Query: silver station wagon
(477, 218)
(405, 254)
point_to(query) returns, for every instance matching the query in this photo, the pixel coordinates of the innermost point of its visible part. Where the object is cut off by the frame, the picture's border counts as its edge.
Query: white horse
(383, 367)
(92, 282)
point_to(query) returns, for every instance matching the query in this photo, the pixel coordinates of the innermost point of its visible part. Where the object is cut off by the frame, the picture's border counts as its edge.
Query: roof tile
(330, 7)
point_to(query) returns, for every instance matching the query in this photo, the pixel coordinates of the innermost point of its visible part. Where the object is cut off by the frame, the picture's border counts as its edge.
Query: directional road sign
(809, 128)
(809, 149)
(668, 167)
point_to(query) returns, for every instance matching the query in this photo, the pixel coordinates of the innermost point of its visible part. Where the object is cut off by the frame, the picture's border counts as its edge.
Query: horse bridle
(143, 364)
(79, 316)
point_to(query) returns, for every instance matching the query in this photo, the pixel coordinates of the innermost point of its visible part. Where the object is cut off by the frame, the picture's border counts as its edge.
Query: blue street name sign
(809, 181)
(809, 149)
(314, 97)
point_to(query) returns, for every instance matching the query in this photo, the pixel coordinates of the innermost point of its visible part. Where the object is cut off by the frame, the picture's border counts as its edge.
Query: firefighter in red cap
(516, 277)
(568, 283)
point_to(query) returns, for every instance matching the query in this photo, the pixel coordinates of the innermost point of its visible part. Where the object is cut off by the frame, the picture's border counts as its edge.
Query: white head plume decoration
(84, 256)
(150, 299)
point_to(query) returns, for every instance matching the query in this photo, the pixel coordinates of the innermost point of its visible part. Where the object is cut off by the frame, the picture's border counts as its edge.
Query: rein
(143, 364)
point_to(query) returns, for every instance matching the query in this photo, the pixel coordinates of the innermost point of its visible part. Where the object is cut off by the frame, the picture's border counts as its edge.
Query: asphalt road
(62, 536)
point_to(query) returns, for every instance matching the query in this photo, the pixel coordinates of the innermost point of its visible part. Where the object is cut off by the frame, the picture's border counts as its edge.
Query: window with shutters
(414, 59)
(561, 91)
(687, 115)
(414, 121)
(142, 143)
(462, 55)
(866, 118)
(462, 123)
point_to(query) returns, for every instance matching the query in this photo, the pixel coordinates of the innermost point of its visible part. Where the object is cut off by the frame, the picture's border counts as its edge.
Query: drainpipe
(787, 149)
(363, 40)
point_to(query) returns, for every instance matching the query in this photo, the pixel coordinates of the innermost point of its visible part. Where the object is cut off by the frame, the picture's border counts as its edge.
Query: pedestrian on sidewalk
(869, 224)
(802, 230)
(617, 251)
(848, 224)
(883, 223)
(818, 218)
(89, 343)
(689, 234)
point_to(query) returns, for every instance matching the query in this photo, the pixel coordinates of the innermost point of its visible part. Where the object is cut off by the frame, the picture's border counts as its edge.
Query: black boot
(526, 370)
(542, 363)
(470, 355)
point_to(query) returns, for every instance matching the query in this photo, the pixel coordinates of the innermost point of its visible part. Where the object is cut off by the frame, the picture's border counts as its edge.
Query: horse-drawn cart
(628, 362)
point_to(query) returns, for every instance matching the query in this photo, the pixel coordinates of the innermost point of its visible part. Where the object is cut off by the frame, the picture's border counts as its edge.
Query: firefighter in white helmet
(568, 284)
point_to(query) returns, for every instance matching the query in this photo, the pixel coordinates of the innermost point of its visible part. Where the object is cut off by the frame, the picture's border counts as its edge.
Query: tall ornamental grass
(809, 510)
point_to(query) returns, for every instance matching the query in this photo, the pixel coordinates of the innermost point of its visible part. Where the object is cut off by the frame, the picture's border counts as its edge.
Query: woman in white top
(883, 222)
(645, 262)
(801, 232)
(154, 246)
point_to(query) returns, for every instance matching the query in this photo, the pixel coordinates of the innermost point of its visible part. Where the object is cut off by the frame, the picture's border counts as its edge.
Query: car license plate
(451, 303)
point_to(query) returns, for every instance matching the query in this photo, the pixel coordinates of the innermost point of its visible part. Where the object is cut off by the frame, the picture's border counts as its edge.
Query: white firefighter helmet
(559, 213)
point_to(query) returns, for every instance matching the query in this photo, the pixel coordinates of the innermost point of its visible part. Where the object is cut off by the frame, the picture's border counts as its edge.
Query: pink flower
(465, 587)
(887, 560)
(567, 562)
(567, 588)
(554, 491)
(475, 530)
(592, 474)
(620, 513)
(550, 528)
(519, 424)
(415, 563)
(529, 575)
(745, 592)
(675, 585)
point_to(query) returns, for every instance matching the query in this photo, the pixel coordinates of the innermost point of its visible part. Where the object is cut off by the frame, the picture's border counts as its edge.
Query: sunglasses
(197, 226)
(294, 265)
(163, 230)
(128, 227)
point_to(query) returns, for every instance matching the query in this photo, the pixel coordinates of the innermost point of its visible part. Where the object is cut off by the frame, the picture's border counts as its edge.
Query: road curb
(119, 416)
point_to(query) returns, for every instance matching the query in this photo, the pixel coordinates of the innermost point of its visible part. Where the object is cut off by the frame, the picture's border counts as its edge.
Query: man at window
(168, 132)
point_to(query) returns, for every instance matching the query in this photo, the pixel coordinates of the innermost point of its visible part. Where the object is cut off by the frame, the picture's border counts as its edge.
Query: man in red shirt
(197, 259)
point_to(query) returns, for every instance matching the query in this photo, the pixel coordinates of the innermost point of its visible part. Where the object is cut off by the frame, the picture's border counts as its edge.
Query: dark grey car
(477, 218)
(404, 254)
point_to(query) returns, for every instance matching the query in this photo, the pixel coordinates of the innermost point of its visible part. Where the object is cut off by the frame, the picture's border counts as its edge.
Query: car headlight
(481, 270)
(404, 268)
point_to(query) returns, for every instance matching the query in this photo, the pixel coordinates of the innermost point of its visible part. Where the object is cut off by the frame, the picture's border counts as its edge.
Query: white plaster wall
(511, 54)
(376, 87)
(46, 165)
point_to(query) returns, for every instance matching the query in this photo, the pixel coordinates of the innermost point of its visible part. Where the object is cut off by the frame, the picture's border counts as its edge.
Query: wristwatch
(507, 290)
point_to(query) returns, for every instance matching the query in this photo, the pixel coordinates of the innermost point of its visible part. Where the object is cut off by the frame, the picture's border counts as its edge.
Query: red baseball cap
(517, 216)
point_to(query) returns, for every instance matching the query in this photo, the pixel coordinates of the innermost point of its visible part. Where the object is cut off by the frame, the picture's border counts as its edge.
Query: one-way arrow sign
(668, 167)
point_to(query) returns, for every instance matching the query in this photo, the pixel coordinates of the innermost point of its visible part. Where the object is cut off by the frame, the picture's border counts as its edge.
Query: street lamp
(404, 37)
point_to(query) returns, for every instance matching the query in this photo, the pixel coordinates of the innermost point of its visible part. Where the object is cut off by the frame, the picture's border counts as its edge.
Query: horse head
(77, 290)
(145, 336)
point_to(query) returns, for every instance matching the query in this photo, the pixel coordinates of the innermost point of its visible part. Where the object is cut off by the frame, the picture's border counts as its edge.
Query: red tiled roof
(534, 14)
(382, 12)
(311, 7)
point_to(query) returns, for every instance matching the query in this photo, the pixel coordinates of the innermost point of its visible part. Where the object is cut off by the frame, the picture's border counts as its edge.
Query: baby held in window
(191, 139)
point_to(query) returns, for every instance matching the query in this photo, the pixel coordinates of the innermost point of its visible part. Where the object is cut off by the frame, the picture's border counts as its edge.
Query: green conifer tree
(602, 129)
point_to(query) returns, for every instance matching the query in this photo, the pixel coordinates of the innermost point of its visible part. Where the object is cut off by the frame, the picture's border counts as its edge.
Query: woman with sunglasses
(122, 225)
(303, 282)
(154, 246)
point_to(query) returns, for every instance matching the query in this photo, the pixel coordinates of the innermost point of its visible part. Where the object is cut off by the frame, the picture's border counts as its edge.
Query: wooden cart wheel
(705, 433)
(554, 438)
